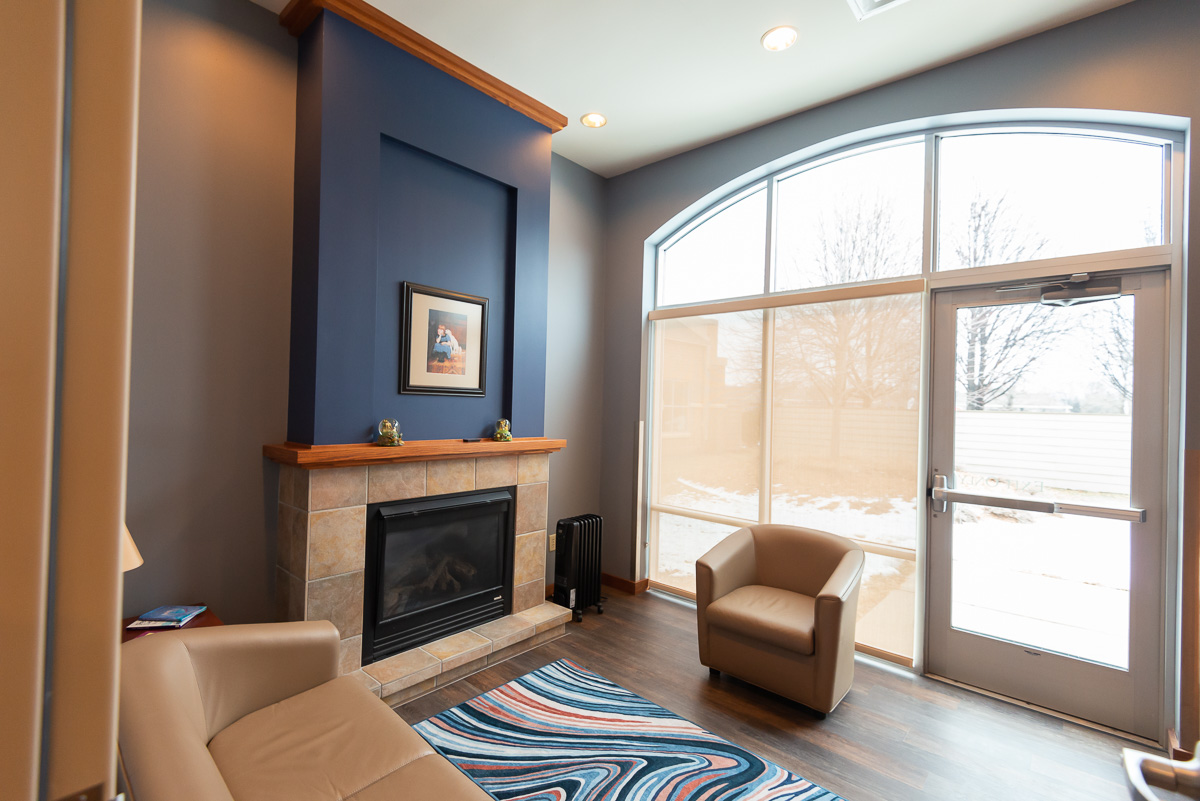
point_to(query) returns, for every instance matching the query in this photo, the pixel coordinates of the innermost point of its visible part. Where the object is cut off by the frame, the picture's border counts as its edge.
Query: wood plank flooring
(896, 736)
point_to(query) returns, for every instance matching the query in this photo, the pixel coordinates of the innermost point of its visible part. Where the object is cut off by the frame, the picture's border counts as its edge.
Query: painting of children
(447, 333)
(443, 342)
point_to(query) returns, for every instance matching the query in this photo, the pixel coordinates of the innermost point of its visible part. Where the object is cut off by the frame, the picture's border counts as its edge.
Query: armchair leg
(713, 673)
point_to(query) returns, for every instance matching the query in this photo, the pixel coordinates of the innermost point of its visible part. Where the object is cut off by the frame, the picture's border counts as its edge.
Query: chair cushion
(431, 778)
(325, 744)
(779, 617)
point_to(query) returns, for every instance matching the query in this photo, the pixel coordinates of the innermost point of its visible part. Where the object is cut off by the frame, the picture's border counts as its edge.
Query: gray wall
(1139, 57)
(575, 340)
(212, 277)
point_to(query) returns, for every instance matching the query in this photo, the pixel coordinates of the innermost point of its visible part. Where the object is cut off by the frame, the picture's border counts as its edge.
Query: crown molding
(299, 14)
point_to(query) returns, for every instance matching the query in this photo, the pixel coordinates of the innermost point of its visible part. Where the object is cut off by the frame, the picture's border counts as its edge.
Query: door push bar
(943, 496)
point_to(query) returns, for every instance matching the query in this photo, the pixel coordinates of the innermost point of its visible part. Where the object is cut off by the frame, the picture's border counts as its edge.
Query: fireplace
(435, 567)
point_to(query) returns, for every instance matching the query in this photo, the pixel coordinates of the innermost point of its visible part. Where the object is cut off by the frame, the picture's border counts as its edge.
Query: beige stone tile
(293, 540)
(289, 596)
(531, 508)
(395, 482)
(549, 635)
(287, 484)
(336, 541)
(366, 681)
(495, 471)
(508, 653)
(285, 530)
(404, 670)
(450, 475)
(529, 558)
(506, 631)
(458, 649)
(300, 478)
(409, 693)
(533, 468)
(337, 487)
(350, 655)
(339, 600)
(462, 671)
(547, 615)
(527, 596)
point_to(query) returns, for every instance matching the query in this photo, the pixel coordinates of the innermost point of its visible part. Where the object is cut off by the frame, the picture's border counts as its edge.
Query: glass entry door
(1046, 498)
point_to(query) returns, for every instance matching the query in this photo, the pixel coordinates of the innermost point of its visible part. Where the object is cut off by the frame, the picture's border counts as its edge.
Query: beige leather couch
(776, 606)
(258, 712)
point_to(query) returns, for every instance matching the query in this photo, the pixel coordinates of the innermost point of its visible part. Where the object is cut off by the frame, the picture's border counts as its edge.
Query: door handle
(942, 496)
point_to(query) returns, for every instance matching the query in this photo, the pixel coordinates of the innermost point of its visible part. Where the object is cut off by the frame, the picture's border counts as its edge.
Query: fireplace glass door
(435, 567)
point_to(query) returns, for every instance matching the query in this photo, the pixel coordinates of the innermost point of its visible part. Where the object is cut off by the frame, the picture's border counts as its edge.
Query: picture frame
(443, 342)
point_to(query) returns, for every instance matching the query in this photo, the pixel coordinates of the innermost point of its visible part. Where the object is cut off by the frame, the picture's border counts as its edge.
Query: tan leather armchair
(776, 606)
(257, 713)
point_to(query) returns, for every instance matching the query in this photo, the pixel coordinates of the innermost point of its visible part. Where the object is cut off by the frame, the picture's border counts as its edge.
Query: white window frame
(1169, 255)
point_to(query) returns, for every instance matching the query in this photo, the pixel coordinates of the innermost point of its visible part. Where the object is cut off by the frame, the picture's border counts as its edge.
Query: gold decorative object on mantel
(389, 433)
(503, 431)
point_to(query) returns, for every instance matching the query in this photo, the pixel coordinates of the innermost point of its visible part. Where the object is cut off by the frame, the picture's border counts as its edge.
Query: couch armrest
(833, 632)
(728, 565)
(179, 688)
(845, 577)
(241, 669)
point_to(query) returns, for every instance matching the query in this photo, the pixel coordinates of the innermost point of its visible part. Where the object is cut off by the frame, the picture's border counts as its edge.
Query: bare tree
(851, 353)
(997, 344)
(1115, 341)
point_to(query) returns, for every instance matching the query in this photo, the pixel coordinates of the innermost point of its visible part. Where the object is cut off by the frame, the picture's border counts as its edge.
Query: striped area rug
(563, 733)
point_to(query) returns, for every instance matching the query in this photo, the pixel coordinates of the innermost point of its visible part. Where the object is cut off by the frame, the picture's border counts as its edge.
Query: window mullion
(769, 250)
(768, 389)
(929, 228)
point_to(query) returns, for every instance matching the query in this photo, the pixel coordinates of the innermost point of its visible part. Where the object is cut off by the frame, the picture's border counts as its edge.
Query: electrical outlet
(553, 537)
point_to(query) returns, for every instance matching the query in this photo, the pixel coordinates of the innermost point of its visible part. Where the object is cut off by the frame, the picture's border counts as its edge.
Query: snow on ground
(889, 521)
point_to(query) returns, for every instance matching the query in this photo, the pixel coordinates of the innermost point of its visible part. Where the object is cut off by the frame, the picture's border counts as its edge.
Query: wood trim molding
(312, 457)
(299, 14)
(785, 299)
(624, 584)
(1189, 593)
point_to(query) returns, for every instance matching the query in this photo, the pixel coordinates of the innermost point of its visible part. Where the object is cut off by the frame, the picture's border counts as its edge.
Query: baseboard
(1174, 749)
(616, 582)
(624, 584)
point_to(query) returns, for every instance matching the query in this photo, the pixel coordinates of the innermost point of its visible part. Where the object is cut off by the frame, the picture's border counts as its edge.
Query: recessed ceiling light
(780, 38)
(594, 120)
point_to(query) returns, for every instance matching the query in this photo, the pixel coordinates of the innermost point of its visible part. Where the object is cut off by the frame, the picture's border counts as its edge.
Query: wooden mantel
(299, 14)
(312, 457)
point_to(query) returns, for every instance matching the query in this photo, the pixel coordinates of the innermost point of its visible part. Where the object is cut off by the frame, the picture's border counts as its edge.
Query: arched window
(787, 337)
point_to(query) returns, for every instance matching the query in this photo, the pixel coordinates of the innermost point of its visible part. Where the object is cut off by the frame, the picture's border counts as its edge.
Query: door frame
(1176, 694)
(983, 663)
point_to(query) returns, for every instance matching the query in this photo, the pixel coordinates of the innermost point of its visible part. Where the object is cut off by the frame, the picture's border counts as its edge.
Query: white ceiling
(674, 74)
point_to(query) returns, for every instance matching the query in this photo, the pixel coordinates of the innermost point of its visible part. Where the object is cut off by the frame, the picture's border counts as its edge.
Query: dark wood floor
(896, 736)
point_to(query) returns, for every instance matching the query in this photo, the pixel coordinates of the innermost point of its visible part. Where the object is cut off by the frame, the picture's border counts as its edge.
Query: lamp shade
(130, 558)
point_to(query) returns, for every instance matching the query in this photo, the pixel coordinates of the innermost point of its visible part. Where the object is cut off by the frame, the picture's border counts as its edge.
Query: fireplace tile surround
(322, 554)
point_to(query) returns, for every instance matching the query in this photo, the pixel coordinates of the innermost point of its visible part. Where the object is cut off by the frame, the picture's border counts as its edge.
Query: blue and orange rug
(563, 733)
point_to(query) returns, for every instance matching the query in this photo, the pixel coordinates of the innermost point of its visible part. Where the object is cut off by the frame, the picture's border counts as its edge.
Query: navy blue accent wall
(454, 232)
(410, 175)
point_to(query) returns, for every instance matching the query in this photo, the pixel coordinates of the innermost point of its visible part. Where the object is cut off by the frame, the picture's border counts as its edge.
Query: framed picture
(443, 342)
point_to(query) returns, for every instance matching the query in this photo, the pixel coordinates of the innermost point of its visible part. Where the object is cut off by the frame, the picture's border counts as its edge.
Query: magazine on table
(171, 617)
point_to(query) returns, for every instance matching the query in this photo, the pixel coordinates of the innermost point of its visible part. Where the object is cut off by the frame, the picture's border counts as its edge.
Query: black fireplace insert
(435, 567)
